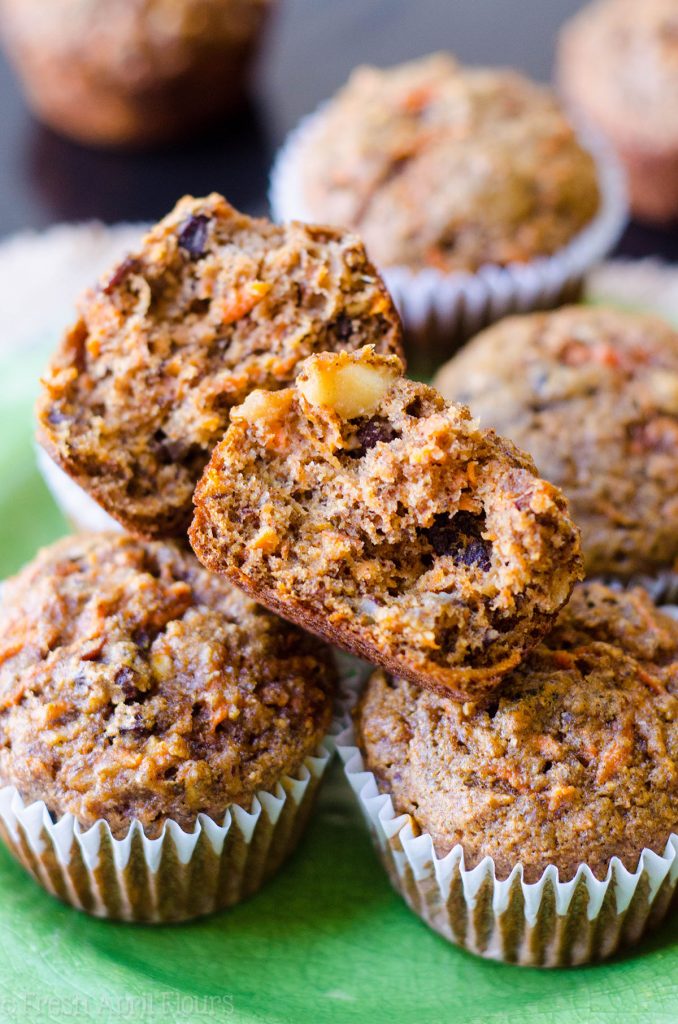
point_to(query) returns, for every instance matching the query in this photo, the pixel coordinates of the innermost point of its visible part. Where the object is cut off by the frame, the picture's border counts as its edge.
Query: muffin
(574, 763)
(361, 506)
(212, 305)
(592, 394)
(139, 691)
(132, 72)
(617, 63)
(446, 171)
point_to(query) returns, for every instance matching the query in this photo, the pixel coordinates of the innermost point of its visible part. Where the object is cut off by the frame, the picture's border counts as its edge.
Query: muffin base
(544, 924)
(441, 311)
(176, 877)
(78, 508)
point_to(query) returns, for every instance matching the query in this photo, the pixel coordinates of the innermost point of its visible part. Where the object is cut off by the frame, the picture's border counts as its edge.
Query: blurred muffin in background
(132, 72)
(473, 193)
(618, 63)
(438, 165)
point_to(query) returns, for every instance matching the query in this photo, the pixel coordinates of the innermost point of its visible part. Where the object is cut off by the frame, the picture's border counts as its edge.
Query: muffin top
(136, 38)
(133, 684)
(619, 58)
(212, 305)
(436, 165)
(592, 394)
(362, 506)
(575, 761)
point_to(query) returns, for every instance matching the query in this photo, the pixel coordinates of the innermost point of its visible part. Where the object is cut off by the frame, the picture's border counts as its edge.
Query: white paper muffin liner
(179, 875)
(547, 923)
(81, 511)
(440, 311)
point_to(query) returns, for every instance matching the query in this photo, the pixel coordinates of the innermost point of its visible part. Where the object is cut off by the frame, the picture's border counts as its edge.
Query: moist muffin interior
(592, 394)
(399, 530)
(133, 684)
(212, 305)
(576, 760)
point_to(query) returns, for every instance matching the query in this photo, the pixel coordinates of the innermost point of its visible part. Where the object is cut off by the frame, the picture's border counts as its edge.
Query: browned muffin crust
(363, 507)
(576, 760)
(438, 165)
(133, 684)
(211, 306)
(592, 394)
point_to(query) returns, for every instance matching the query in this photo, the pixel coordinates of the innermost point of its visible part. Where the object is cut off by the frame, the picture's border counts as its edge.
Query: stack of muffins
(240, 385)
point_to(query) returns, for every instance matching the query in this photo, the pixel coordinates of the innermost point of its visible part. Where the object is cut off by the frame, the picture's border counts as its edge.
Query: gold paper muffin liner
(175, 877)
(441, 311)
(547, 923)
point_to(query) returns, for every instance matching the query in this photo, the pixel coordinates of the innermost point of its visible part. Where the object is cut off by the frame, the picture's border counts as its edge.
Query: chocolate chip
(193, 236)
(128, 266)
(461, 537)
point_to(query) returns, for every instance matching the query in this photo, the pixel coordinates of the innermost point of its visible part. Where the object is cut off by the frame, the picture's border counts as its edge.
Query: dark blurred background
(310, 48)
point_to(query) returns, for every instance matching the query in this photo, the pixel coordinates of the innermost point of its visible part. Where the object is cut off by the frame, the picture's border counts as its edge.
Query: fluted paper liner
(440, 311)
(176, 877)
(543, 924)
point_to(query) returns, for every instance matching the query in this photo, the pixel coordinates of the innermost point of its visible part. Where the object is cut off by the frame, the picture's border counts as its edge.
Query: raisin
(461, 537)
(124, 678)
(373, 431)
(54, 417)
(343, 327)
(128, 266)
(193, 236)
(475, 553)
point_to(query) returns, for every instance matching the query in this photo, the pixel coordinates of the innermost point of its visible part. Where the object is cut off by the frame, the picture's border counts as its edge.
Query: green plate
(326, 941)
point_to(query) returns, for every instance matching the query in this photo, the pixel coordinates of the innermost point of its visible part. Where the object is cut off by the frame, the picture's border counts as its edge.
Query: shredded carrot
(650, 680)
(243, 300)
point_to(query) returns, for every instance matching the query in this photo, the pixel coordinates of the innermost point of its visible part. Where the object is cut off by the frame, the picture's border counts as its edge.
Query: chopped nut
(266, 407)
(351, 385)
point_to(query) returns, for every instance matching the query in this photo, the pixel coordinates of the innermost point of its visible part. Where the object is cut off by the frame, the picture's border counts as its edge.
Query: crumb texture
(575, 761)
(212, 305)
(404, 533)
(592, 394)
(436, 165)
(133, 684)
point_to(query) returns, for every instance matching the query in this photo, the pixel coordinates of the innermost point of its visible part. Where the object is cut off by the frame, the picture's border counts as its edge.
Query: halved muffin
(212, 305)
(362, 506)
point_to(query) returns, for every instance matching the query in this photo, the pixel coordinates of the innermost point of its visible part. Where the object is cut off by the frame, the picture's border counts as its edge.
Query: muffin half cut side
(360, 505)
(212, 305)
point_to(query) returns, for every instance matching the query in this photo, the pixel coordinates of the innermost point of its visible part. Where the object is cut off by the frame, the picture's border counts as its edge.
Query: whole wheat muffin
(212, 305)
(132, 72)
(618, 63)
(592, 394)
(361, 506)
(438, 165)
(576, 760)
(133, 684)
